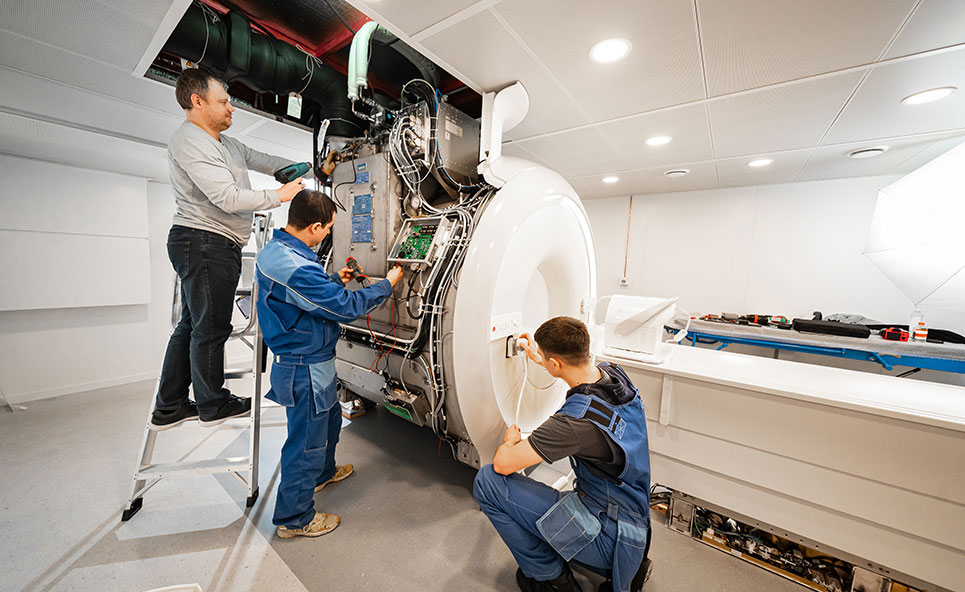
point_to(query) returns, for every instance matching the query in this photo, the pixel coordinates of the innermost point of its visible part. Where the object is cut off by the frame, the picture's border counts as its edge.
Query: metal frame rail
(888, 361)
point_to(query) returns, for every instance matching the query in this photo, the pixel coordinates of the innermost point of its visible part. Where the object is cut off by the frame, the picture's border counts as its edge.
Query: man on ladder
(215, 203)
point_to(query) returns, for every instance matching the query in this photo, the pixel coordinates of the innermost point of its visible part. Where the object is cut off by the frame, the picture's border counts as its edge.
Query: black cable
(339, 16)
(355, 177)
(316, 127)
(408, 298)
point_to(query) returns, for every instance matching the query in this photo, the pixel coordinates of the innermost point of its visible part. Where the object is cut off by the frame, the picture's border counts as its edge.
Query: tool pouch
(569, 525)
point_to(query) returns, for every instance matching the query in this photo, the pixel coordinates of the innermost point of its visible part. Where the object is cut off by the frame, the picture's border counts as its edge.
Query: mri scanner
(868, 468)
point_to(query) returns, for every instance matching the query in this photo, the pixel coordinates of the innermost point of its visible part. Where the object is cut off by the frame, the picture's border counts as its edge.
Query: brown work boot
(321, 524)
(341, 472)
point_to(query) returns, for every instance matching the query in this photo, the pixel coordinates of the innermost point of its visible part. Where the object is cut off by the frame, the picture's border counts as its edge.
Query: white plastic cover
(531, 254)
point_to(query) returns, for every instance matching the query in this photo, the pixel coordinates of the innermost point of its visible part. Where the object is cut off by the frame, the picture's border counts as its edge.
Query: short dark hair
(192, 81)
(308, 207)
(564, 338)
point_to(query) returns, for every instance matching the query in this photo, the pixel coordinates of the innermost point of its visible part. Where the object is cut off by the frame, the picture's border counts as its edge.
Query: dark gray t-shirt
(561, 436)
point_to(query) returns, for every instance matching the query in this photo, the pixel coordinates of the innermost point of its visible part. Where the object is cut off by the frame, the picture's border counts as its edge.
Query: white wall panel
(771, 249)
(74, 255)
(47, 353)
(42, 196)
(696, 245)
(808, 248)
(608, 224)
(71, 237)
(55, 270)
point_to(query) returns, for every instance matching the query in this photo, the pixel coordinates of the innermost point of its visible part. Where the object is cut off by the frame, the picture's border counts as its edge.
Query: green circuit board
(416, 245)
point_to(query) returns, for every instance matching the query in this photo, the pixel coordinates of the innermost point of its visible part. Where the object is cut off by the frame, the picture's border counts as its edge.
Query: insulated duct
(360, 53)
(227, 47)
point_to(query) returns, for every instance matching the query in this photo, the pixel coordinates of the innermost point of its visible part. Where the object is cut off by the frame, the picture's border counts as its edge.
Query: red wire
(395, 337)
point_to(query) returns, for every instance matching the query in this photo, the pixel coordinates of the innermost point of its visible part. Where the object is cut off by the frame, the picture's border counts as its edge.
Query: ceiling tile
(780, 118)
(703, 175)
(81, 26)
(577, 152)
(408, 18)
(43, 60)
(149, 11)
(832, 162)
(275, 149)
(686, 125)
(592, 187)
(930, 153)
(284, 135)
(481, 49)
(936, 23)
(786, 166)
(515, 150)
(23, 136)
(751, 43)
(51, 100)
(662, 69)
(876, 110)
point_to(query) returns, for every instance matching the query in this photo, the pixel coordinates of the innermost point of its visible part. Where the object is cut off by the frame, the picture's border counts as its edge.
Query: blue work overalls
(299, 308)
(602, 524)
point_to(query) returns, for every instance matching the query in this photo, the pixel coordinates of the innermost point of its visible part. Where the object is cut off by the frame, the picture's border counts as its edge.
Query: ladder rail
(147, 475)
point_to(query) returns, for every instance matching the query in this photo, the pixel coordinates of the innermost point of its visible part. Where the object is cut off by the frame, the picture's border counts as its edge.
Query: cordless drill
(291, 172)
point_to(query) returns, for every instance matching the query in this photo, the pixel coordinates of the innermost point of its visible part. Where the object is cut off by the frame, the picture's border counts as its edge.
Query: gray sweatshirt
(210, 181)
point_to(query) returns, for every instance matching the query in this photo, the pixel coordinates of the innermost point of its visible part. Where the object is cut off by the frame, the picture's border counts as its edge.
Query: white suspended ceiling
(802, 83)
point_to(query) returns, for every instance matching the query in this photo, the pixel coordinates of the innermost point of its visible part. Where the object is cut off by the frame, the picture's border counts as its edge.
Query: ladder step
(198, 467)
(236, 373)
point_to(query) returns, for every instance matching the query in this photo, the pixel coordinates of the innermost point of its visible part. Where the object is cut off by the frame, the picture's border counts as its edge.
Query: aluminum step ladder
(245, 468)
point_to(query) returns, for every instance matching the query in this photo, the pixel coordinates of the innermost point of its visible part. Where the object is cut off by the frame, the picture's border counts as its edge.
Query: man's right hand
(289, 190)
(394, 275)
(525, 342)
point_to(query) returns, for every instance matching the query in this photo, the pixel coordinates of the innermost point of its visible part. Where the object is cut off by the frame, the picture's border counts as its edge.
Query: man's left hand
(512, 436)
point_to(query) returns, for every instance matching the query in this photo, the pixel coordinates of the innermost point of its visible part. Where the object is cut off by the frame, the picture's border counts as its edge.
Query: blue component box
(362, 204)
(362, 228)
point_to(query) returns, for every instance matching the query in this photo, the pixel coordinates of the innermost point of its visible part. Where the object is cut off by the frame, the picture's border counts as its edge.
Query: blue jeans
(308, 455)
(209, 266)
(513, 503)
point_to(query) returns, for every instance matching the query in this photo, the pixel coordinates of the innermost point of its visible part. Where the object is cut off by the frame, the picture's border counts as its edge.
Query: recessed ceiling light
(610, 50)
(610, 179)
(677, 172)
(658, 140)
(760, 162)
(868, 152)
(927, 96)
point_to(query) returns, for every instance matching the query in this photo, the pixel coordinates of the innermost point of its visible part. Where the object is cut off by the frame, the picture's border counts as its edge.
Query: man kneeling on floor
(299, 309)
(604, 524)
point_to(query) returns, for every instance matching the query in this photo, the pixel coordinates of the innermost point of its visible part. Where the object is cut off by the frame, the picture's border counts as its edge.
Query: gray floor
(409, 521)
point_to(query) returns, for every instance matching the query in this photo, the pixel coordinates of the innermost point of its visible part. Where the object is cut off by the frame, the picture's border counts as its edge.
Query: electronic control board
(418, 241)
